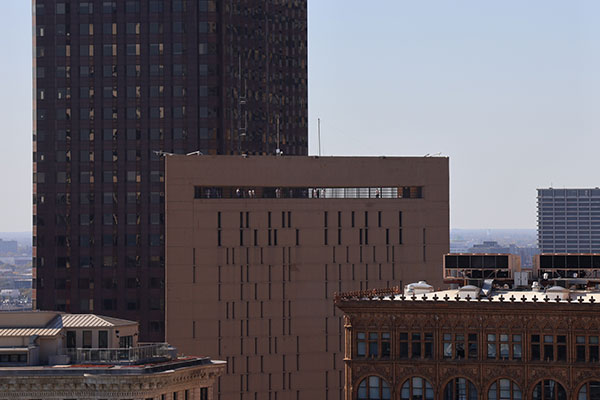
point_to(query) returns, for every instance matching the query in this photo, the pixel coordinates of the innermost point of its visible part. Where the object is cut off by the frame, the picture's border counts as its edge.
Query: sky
(509, 90)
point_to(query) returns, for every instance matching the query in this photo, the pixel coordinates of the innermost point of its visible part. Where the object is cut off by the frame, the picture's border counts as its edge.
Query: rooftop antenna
(319, 132)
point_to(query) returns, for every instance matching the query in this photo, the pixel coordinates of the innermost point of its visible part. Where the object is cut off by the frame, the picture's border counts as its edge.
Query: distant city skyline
(507, 89)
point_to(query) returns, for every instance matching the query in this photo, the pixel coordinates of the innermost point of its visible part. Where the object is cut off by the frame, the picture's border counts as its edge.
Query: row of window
(110, 283)
(233, 192)
(131, 70)
(568, 192)
(245, 219)
(130, 240)
(131, 6)
(131, 28)
(131, 49)
(130, 261)
(109, 219)
(89, 177)
(113, 134)
(416, 388)
(112, 92)
(86, 198)
(460, 346)
(131, 113)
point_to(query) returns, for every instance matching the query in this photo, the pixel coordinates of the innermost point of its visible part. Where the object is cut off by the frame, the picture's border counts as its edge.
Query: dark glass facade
(116, 81)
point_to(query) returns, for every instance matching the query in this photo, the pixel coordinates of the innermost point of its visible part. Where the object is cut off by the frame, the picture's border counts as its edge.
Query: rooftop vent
(418, 288)
(488, 284)
(558, 291)
(469, 291)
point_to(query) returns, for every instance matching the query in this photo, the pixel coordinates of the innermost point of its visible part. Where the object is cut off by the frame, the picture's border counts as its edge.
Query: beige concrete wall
(268, 310)
(25, 385)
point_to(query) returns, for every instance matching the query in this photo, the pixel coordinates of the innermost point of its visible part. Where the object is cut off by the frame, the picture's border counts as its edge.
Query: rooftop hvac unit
(521, 278)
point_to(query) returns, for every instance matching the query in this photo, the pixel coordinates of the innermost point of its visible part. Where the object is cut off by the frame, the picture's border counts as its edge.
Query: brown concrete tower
(257, 246)
(115, 81)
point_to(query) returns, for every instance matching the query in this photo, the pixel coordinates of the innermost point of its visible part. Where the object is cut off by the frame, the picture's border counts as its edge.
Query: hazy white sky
(510, 90)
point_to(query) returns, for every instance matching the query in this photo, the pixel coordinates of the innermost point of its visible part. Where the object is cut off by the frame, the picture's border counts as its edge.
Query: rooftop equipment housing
(475, 268)
(567, 268)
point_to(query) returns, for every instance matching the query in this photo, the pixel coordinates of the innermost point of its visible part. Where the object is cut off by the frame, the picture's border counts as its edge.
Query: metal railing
(121, 355)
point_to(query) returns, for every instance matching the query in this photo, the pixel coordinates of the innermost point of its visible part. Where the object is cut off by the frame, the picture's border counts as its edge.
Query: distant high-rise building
(116, 81)
(569, 220)
(8, 246)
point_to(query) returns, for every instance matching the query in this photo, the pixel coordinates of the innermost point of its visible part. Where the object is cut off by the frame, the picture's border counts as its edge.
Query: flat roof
(498, 296)
(224, 170)
(93, 369)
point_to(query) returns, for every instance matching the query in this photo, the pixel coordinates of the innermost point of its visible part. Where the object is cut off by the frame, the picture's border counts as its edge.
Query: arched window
(549, 389)
(589, 391)
(460, 389)
(374, 388)
(504, 389)
(416, 388)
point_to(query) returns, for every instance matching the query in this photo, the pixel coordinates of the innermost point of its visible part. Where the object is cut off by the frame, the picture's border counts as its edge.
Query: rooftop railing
(129, 355)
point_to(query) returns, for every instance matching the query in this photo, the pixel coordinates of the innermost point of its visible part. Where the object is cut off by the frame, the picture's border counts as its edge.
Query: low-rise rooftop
(554, 294)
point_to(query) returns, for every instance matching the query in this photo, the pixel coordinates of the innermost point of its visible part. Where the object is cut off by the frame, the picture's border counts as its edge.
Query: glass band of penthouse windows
(273, 192)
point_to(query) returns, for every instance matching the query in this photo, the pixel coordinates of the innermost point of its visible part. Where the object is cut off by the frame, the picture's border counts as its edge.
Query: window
(156, 6)
(203, 393)
(549, 389)
(87, 339)
(109, 50)
(416, 388)
(156, 49)
(457, 348)
(374, 388)
(178, 5)
(178, 70)
(504, 346)
(86, 8)
(586, 348)
(71, 339)
(178, 48)
(373, 344)
(416, 345)
(157, 69)
(61, 8)
(589, 391)
(109, 7)
(178, 27)
(504, 389)
(63, 50)
(103, 339)
(549, 347)
(410, 192)
(133, 49)
(132, 6)
(460, 389)
(86, 29)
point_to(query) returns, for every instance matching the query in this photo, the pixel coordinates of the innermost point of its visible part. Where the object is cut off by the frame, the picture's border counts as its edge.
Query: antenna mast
(319, 132)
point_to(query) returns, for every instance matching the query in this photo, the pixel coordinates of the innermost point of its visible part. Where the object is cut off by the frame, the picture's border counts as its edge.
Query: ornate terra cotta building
(459, 344)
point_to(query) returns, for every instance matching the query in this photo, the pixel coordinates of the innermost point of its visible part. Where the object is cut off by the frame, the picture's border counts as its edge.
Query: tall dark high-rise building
(115, 81)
